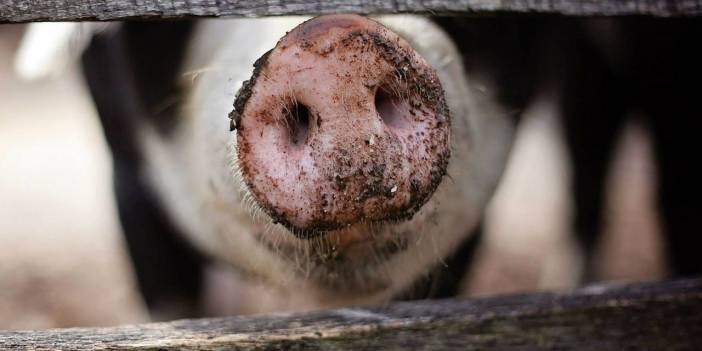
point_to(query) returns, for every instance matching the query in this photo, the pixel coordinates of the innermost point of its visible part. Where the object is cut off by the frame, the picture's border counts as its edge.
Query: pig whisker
(385, 251)
(377, 254)
(248, 201)
(315, 246)
(435, 250)
(319, 248)
(194, 74)
(277, 238)
(330, 246)
(293, 97)
(307, 269)
(257, 213)
(294, 258)
(418, 243)
(450, 177)
(289, 103)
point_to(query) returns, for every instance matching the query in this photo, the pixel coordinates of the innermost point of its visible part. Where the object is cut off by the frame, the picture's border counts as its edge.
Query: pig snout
(343, 122)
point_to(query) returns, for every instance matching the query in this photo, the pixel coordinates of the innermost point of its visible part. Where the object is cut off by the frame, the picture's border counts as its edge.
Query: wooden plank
(644, 316)
(103, 10)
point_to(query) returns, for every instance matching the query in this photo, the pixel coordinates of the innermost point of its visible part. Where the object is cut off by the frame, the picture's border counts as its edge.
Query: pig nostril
(298, 121)
(388, 107)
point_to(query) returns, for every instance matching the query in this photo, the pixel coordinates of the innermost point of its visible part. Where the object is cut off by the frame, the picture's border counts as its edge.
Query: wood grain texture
(644, 316)
(103, 10)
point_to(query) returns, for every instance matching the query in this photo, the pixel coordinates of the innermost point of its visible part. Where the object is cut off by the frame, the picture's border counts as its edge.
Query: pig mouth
(351, 260)
(342, 125)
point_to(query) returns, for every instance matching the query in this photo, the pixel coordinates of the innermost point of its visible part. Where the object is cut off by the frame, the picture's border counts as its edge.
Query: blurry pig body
(181, 171)
(648, 69)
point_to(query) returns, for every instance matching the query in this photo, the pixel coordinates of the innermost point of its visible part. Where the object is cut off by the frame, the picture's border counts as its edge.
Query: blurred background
(63, 262)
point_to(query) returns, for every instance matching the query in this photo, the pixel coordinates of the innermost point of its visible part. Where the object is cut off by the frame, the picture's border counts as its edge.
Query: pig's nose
(342, 122)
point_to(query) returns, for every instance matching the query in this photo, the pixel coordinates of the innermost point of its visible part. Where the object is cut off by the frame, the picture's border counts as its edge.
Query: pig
(601, 72)
(348, 159)
(648, 68)
(342, 158)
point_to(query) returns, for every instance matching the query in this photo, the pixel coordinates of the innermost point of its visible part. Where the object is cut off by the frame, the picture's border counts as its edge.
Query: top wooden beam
(17, 11)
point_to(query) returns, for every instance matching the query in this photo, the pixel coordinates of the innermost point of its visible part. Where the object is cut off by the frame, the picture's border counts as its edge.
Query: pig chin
(355, 259)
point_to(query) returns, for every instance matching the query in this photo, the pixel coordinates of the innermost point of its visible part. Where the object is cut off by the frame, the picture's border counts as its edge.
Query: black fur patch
(154, 53)
(132, 74)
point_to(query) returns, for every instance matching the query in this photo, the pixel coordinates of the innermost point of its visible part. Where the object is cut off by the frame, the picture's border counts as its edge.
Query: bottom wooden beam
(642, 316)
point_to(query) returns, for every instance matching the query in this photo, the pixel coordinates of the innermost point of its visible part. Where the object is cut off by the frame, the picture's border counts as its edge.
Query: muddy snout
(341, 123)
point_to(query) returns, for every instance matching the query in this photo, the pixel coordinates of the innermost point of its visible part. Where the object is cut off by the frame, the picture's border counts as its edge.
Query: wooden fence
(643, 316)
(82, 10)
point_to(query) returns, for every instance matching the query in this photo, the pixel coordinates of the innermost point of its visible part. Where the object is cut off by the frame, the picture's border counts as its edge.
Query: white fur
(196, 175)
(47, 49)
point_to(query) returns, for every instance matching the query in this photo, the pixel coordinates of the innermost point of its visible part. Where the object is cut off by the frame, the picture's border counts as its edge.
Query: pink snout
(341, 123)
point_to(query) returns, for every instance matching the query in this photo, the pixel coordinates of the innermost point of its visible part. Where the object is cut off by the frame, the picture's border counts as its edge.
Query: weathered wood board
(644, 316)
(89, 10)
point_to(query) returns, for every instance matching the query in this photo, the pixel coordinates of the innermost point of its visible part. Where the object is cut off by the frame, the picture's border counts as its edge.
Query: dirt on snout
(351, 164)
